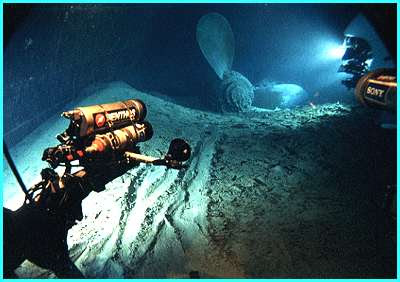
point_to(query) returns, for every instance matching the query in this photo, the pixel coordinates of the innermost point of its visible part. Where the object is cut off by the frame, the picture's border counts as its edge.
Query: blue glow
(291, 94)
(336, 52)
(369, 62)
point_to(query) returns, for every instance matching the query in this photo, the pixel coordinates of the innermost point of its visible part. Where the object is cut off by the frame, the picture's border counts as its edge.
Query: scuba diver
(37, 231)
(103, 140)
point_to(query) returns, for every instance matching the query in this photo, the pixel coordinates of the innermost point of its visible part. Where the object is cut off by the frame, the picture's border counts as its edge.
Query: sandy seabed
(270, 193)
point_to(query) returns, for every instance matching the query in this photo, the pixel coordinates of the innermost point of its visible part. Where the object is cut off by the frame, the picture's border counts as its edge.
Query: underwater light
(337, 52)
(369, 62)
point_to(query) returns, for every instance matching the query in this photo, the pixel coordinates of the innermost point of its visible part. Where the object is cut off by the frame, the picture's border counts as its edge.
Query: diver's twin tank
(97, 119)
(114, 126)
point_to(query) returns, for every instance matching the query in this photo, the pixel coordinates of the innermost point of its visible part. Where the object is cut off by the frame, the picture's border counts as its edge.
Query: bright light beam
(336, 52)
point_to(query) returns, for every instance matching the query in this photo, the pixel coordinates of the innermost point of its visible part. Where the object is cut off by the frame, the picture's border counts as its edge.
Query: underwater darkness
(153, 48)
(293, 191)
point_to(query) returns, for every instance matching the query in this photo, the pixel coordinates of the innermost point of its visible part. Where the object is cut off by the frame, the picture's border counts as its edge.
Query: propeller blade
(217, 43)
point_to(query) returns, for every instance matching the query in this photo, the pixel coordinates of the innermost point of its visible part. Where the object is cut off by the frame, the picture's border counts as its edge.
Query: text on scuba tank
(119, 115)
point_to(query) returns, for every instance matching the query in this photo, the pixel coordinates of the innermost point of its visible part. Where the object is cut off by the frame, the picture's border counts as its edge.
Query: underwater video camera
(378, 89)
(356, 59)
(110, 133)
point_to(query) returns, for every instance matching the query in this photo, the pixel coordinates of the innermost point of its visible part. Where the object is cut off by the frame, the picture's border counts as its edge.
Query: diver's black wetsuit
(34, 234)
(38, 231)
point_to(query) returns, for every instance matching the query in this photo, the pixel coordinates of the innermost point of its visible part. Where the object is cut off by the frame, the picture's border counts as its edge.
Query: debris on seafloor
(257, 195)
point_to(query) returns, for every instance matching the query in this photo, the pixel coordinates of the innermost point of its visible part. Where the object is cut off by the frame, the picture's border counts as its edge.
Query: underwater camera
(107, 133)
(101, 146)
(356, 59)
(86, 121)
(378, 89)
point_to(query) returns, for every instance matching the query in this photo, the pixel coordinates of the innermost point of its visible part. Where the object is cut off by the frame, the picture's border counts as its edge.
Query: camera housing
(378, 89)
(102, 118)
